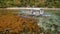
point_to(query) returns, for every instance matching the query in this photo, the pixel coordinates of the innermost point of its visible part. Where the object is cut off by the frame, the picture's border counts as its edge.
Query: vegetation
(14, 24)
(51, 24)
(31, 3)
(11, 23)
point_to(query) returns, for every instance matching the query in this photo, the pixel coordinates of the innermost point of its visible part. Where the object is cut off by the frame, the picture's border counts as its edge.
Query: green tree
(2, 3)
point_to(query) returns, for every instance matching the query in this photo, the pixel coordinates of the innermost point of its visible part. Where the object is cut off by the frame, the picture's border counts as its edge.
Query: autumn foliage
(13, 24)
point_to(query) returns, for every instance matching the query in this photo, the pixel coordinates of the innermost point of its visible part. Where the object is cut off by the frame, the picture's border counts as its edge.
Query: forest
(30, 3)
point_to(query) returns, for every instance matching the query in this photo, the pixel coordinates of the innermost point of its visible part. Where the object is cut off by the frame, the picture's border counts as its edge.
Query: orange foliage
(17, 24)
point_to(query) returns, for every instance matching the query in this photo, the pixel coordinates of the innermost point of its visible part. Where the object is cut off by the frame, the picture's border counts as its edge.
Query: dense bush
(31, 3)
(13, 24)
(50, 24)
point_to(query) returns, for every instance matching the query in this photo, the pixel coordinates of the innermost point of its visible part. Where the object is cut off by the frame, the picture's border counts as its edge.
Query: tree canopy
(31, 3)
